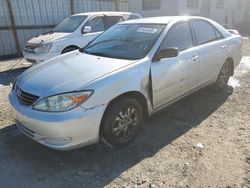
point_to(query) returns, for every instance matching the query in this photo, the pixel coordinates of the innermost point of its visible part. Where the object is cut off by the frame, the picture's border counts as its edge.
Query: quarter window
(133, 17)
(218, 35)
(96, 24)
(179, 36)
(204, 32)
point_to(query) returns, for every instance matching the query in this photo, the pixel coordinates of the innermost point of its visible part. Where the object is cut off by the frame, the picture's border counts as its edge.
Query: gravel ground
(200, 141)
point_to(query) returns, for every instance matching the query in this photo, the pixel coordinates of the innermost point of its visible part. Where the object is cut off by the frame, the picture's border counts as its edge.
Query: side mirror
(86, 29)
(166, 53)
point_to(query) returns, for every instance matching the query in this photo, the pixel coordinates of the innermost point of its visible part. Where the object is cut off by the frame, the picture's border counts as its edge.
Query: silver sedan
(104, 90)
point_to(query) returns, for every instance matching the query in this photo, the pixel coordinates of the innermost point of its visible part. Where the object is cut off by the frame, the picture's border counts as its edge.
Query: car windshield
(125, 41)
(70, 24)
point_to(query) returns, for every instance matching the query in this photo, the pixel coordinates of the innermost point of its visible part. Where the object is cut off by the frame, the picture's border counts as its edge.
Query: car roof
(167, 19)
(162, 20)
(100, 13)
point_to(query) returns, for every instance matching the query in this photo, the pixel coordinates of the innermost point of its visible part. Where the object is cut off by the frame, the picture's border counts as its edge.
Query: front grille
(30, 48)
(26, 98)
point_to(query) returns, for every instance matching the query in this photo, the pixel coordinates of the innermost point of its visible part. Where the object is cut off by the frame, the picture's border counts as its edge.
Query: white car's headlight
(62, 102)
(45, 47)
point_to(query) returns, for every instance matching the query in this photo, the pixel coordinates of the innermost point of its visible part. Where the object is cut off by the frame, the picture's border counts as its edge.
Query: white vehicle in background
(72, 33)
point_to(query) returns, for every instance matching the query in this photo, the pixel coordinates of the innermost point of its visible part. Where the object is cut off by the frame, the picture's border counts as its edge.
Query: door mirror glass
(86, 29)
(166, 53)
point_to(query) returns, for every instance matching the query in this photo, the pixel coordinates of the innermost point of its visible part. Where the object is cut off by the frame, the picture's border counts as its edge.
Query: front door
(171, 77)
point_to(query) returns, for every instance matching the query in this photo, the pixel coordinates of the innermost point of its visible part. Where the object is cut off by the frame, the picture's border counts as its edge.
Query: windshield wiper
(104, 41)
(99, 54)
(94, 53)
(82, 50)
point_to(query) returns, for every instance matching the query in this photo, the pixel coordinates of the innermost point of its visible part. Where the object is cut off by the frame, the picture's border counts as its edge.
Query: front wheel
(122, 122)
(223, 77)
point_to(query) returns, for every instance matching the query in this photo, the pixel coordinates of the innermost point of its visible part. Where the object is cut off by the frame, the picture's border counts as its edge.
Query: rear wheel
(223, 77)
(122, 122)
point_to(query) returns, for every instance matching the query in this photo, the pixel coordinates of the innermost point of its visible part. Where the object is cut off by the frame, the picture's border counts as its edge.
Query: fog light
(57, 141)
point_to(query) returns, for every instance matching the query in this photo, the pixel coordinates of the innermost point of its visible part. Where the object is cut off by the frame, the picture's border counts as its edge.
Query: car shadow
(8, 76)
(98, 165)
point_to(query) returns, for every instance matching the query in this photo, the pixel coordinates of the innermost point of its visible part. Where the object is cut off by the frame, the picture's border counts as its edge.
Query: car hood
(46, 38)
(68, 72)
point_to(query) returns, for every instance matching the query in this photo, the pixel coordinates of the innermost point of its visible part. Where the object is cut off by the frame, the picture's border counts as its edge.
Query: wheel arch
(70, 46)
(131, 94)
(231, 63)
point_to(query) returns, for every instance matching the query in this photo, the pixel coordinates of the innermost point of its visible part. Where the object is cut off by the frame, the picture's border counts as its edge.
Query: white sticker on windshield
(147, 30)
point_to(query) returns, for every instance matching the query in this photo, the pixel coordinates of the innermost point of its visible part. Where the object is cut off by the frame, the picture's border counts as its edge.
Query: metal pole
(13, 27)
(71, 7)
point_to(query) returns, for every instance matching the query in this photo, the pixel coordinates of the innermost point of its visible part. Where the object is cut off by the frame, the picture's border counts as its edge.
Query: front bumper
(39, 57)
(60, 131)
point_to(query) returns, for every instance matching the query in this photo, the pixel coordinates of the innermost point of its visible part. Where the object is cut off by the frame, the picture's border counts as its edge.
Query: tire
(69, 49)
(122, 122)
(223, 77)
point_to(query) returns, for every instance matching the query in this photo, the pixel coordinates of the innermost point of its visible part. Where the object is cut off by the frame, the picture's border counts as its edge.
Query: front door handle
(195, 57)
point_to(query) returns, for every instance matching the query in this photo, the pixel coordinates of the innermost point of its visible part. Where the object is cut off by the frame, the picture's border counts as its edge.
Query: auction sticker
(147, 30)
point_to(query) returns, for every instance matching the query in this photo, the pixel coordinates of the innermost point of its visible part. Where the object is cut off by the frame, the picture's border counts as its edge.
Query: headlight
(45, 47)
(62, 102)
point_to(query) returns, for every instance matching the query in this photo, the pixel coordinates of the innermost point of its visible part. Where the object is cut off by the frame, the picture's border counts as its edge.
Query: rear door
(212, 49)
(171, 77)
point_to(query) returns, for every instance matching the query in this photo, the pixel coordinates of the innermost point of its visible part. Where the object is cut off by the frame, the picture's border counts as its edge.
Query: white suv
(72, 33)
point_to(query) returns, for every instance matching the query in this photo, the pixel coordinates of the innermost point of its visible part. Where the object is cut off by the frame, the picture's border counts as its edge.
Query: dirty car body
(156, 72)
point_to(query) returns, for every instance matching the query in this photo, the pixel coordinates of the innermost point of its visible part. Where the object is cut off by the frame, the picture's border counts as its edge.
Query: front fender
(132, 78)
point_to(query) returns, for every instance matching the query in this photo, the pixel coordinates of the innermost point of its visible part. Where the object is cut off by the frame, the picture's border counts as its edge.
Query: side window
(96, 24)
(204, 31)
(179, 36)
(109, 21)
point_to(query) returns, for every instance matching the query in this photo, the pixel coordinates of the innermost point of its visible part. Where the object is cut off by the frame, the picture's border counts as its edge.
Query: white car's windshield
(70, 24)
(125, 41)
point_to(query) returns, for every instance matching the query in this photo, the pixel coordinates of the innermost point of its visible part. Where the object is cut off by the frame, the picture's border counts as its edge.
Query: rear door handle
(195, 57)
(224, 46)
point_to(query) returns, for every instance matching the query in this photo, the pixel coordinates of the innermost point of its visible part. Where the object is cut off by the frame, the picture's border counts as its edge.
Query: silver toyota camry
(104, 90)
